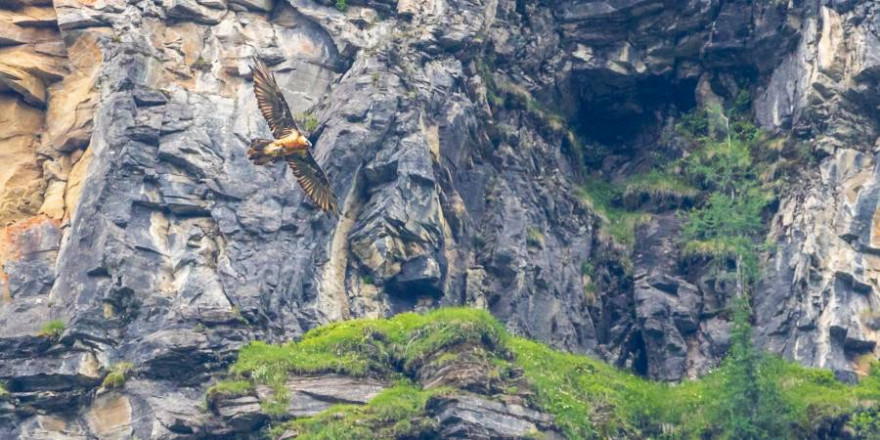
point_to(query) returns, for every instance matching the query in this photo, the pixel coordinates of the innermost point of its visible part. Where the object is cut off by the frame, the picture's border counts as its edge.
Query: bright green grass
(594, 400)
(617, 224)
(230, 388)
(52, 329)
(366, 347)
(117, 375)
(659, 184)
(590, 399)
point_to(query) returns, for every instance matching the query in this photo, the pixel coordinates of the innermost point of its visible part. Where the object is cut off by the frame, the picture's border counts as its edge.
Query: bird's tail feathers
(256, 151)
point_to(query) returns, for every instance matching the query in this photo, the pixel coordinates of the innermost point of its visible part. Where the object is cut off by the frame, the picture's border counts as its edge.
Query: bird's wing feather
(313, 181)
(271, 101)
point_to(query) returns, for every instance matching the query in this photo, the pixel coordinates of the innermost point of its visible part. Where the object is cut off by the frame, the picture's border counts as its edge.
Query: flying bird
(290, 144)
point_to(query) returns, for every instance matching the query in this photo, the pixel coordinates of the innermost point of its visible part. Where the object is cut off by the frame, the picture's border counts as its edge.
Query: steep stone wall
(818, 304)
(138, 222)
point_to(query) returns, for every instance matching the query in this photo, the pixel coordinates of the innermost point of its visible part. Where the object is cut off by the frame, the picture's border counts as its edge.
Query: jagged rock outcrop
(818, 301)
(132, 215)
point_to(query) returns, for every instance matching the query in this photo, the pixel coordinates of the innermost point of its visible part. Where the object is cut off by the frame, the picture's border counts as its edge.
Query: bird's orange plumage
(289, 144)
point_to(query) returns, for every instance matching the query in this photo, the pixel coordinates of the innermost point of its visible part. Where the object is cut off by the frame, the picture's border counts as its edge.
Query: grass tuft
(535, 238)
(308, 121)
(228, 388)
(52, 329)
(658, 187)
(117, 375)
(618, 224)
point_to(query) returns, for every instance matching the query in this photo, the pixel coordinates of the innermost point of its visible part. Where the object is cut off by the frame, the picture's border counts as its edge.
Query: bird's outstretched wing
(313, 181)
(271, 101)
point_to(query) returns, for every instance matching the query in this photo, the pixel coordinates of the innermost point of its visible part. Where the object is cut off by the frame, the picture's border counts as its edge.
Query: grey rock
(311, 395)
(61, 372)
(256, 5)
(191, 10)
(306, 396)
(470, 417)
(242, 414)
(178, 250)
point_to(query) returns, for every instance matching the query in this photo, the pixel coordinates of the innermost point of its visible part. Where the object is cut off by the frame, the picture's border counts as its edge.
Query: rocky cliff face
(454, 133)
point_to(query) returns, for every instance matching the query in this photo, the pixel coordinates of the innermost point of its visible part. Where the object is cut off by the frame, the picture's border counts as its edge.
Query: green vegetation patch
(589, 398)
(52, 329)
(534, 237)
(593, 400)
(658, 186)
(230, 388)
(866, 423)
(308, 121)
(397, 412)
(117, 375)
(368, 347)
(725, 167)
(376, 348)
(618, 224)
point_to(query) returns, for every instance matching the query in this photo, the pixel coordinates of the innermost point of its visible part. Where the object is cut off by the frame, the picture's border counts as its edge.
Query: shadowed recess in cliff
(616, 111)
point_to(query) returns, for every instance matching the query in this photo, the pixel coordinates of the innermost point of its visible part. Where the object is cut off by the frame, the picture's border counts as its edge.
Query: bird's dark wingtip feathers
(258, 66)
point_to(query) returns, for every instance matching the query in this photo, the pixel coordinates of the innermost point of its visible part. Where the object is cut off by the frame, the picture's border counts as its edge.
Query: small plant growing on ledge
(3, 391)
(118, 374)
(587, 268)
(52, 329)
(618, 224)
(535, 238)
(230, 388)
(340, 5)
(308, 120)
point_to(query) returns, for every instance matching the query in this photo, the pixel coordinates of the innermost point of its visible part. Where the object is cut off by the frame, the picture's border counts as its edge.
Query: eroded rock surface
(131, 214)
(818, 302)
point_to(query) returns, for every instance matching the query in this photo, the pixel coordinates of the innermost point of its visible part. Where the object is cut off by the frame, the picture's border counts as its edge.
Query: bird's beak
(309, 143)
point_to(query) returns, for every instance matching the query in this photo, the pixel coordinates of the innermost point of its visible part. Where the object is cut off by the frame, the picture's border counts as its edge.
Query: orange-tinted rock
(20, 177)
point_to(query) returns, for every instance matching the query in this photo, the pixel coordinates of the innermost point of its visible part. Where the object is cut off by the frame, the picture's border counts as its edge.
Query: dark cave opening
(639, 359)
(617, 115)
(418, 282)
